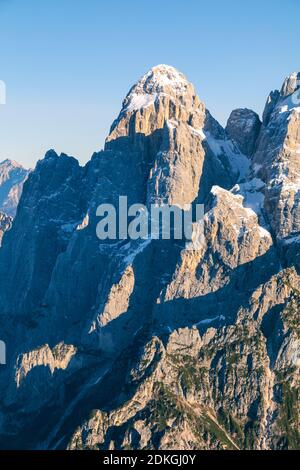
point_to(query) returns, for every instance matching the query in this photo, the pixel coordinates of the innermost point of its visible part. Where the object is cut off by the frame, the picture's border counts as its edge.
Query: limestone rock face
(12, 178)
(162, 94)
(230, 250)
(215, 390)
(157, 343)
(163, 120)
(243, 127)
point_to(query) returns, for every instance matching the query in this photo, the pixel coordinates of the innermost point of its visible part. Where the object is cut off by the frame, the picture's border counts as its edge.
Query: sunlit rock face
(276, 159)
(158, 344)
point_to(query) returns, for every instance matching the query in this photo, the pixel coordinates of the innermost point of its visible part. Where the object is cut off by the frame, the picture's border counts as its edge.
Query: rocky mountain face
(153, 343)
(12, 177)
(276, 160)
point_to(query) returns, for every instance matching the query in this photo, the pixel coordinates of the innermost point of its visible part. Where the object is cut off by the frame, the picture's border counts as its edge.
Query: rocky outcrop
(12, 178)
(155, 343)
(56, 358)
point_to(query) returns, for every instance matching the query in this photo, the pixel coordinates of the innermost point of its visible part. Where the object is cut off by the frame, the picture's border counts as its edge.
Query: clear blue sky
(68, 64)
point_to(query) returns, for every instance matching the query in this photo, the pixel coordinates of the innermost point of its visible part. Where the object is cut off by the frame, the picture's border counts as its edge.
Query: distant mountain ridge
(141, 344)
(12, 178)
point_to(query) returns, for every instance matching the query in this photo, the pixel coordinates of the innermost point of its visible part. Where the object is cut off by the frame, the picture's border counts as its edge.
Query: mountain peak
(50, 154)
(160, 79)
(162, 94)
(8, 163)
(290, 84)
(163, 75)
(286, 101)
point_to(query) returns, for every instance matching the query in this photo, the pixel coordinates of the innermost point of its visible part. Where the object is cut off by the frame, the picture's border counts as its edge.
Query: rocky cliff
(155, 343)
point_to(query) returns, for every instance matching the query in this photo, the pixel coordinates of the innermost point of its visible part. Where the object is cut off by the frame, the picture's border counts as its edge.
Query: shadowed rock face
(152, 343)
(47, 213)
(243, 126)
